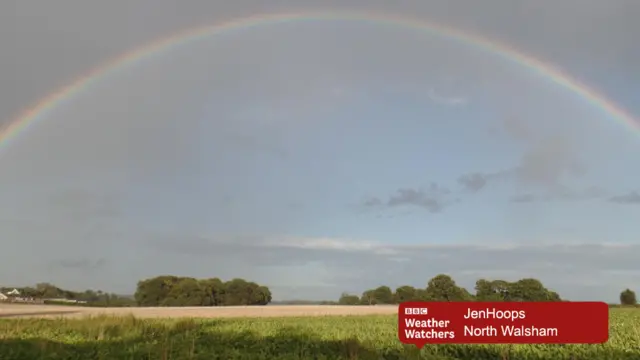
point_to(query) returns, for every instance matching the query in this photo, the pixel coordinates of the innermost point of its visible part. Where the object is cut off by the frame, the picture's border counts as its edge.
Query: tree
(185, 292)
(214, 291)
(260, 295)
(29, 292)
(522, 290)
(502, 288)
(48, 291)
(383, 295)
(164, 290)
(466, 295)
(348, 299)
(368, 298)
(487, 290)
(153, 291)
(405, 293)
(169, 290)
(529, 290)
(236, 292)
(628, 297)
(443, 288)
(554, 296)
(422, 295)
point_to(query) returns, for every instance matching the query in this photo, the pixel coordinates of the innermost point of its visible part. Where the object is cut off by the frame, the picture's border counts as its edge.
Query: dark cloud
(373, 202)
(544, 165)
(433, 199)
(632, 197)
(473, 182)
(477, 181)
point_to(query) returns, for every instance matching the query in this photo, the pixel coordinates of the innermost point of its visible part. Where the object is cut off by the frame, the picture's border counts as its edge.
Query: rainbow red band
(38, 111)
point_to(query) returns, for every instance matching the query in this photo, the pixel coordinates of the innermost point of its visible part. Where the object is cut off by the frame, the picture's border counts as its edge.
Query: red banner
(422, 323)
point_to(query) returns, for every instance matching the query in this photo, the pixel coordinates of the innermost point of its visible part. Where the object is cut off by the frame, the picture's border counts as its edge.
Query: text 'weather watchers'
(422, 323)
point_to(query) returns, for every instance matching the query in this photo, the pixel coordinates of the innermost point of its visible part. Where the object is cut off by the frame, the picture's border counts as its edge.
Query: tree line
(169, 290)
(51, 293)
(444, 288)
(165, 290)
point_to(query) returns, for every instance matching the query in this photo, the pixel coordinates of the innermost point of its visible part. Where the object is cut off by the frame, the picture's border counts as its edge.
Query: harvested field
(47, 311)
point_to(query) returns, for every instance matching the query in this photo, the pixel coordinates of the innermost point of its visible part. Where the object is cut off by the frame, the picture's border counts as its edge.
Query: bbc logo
(415, 311)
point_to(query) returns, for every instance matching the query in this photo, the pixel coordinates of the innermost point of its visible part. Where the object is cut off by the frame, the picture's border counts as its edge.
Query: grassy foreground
(354, 337)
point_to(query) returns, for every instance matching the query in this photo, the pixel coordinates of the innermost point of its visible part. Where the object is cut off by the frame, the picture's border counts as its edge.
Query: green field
(353, 337)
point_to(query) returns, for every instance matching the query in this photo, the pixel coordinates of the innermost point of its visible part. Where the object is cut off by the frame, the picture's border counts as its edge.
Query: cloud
(632, 197)
(475, 182)
(373, 202)
(562, 193)
(549, 155)
(547, 162)
(567, 193)
(542, 167)
(449, 101)
(577, 271)
(433, 199)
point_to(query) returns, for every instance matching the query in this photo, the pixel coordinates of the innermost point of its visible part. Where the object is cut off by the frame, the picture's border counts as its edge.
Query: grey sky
(154, 169)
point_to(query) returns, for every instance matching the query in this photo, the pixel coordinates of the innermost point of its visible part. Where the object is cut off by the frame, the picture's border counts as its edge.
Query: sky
(318, 157)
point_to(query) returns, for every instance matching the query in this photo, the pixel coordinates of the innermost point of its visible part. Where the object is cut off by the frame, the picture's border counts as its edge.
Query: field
(10, 310)
(272, 332)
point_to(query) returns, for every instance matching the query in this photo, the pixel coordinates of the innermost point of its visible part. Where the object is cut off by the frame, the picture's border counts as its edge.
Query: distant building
(14, 292)
(3, 297)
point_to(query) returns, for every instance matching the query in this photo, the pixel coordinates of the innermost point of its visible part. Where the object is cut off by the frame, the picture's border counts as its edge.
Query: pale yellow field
(12, 310)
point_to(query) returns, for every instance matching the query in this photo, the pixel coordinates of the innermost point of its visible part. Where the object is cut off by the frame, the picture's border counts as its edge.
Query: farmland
(272, 332)
(9, 311)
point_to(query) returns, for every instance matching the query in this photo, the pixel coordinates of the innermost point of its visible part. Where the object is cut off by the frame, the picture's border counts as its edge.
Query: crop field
(271, 332)
(11, 310)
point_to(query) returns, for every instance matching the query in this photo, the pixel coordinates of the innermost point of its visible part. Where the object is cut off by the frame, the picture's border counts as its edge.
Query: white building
(14, 292)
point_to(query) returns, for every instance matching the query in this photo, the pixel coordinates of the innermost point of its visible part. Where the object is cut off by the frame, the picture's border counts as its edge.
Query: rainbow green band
(37, 112)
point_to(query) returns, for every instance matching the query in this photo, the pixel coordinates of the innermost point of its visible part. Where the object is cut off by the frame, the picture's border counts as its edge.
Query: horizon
(323, 301)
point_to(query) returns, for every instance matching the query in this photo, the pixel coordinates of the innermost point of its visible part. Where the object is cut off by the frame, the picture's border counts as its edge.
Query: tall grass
(330, 337)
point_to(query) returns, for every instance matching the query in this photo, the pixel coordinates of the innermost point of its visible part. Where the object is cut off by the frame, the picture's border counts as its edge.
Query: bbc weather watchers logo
(416, 311)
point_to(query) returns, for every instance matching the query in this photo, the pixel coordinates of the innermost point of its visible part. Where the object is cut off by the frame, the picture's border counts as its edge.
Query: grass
(322, 337)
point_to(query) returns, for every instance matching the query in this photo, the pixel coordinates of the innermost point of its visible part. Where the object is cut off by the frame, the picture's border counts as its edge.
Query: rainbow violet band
(35, 113)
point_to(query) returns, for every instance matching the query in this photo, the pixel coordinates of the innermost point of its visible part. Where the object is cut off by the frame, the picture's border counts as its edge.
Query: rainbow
(32, 115)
